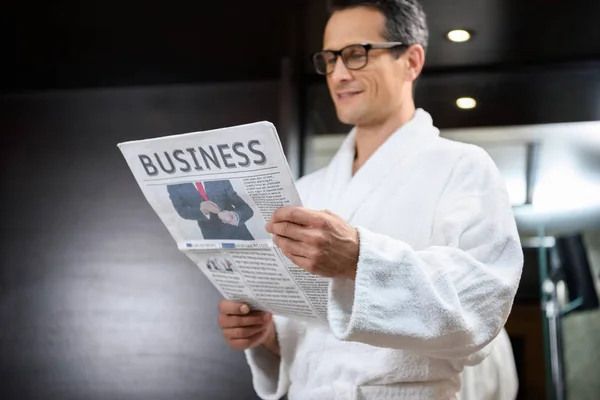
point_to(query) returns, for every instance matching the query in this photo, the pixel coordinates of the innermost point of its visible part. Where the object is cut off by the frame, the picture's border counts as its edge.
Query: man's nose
(340, 72)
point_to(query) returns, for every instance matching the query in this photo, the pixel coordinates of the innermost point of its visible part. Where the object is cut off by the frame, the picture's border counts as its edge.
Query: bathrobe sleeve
(270, 376)
(449, 300)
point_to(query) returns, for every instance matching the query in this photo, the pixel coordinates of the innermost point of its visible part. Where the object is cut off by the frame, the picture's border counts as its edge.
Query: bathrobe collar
(345, 193)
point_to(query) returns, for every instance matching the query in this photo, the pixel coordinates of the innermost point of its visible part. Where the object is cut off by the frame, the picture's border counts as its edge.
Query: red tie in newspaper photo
(201, 190)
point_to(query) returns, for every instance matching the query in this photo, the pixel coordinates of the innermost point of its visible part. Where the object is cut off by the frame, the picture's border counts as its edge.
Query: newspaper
(215, 191)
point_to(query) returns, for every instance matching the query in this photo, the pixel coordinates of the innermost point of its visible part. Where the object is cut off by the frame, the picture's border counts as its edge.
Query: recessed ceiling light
(458, 36)
(466, 103)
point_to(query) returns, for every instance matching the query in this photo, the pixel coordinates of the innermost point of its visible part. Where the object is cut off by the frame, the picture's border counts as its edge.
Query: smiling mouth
(348, 95)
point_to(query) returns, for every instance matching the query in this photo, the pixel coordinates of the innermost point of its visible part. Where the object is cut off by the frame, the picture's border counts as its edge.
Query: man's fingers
(297, 252)
(233, 321)
(242, 333)
(244, 344)
(210, 206)
(297, 215)
(291, 247)
(304, 263)
(289, 230)
(233, 308)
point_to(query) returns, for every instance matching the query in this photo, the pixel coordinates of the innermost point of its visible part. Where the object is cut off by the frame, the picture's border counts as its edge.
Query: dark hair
(406, 21)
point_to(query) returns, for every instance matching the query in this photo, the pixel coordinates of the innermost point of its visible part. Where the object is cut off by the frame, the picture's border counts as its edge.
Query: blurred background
(96, 301)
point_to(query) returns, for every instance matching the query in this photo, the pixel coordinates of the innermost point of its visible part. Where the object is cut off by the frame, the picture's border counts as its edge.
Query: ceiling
(505, 32)
(529, 62)
(513, 31)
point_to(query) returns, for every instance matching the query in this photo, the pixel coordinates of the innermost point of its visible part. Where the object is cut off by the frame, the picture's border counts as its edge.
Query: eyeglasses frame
(367, 46)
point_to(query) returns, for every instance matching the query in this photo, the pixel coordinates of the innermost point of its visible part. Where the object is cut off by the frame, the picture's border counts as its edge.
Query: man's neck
(369, 138)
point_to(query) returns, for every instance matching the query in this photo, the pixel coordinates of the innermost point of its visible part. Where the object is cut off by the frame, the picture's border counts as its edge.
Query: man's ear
(415, 59)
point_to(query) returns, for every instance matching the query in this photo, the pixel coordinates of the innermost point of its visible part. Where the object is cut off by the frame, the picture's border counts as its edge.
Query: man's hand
(208, 207)
(318, 241)
(244, 330)
(229, 217)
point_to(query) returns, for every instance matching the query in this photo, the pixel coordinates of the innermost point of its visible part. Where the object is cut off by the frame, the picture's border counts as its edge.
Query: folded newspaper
(215, 191)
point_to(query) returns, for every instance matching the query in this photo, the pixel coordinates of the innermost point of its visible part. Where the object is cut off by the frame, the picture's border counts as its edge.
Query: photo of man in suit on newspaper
(221, 213)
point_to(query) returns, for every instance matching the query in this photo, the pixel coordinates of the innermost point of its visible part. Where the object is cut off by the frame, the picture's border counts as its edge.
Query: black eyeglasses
(355, 56)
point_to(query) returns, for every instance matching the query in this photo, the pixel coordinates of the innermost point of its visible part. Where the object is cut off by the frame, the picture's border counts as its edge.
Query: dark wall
(96, 302)
(69, 43)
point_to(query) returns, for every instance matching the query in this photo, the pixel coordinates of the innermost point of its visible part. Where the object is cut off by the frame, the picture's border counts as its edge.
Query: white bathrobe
(439, 264)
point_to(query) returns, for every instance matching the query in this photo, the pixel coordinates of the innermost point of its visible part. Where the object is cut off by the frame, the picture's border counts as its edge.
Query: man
(221, 213)
(417, 236)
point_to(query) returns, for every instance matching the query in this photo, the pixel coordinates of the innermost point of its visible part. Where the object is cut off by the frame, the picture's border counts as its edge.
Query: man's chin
(346, 118)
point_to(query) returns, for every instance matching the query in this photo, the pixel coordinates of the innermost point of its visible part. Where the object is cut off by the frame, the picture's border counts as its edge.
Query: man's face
(369, 95)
